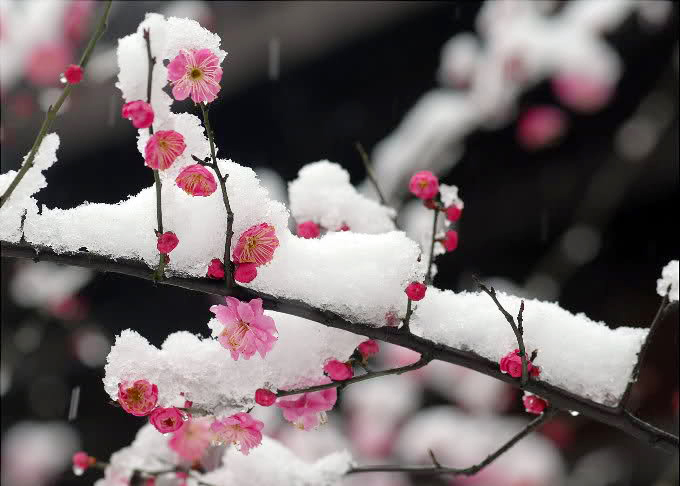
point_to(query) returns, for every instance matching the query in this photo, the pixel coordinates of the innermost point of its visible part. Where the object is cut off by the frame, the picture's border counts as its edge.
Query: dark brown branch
(558, 398)
(428, 276)
(367, 376)
(516, 328)
(437, 468)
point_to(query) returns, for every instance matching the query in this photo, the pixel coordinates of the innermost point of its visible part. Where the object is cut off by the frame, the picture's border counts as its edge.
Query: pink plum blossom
(307, 410)
(245, 272)
(76, 19)
(216, 269)
(534, 404)
(265, 397)
(453, 213)
(344, 227)
(139, 112)
(246, 328)
(241, 429)
(424, 185)
(541, 126)
(256, 245)
(196, 180)
(416, 291)
(337, 370)
(451, 240)
(308, 229)
(163, 148)
(511, 363)
(195, 73)
(81, 461)
(167, 242)
(582, 92)
(166, 419)
(368, 348)
(46, 62)
(192, 439)
(73, 74)
(138, 398)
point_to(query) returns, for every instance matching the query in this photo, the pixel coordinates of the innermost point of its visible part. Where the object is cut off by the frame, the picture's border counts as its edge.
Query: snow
(323, 193)
(669, 276)
(44, 283)
(270, 463)
(207, 375)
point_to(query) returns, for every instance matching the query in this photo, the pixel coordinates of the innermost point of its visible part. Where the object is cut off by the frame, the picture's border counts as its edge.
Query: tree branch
(428, 277)
(369, 172)
(558, 398)
(437, 468)
(53, 110)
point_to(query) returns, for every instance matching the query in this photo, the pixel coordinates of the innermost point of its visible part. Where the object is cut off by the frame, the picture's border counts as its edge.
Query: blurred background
(570, 190)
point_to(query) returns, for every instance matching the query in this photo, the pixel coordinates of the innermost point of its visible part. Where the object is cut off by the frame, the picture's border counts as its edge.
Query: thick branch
(53, 110)
(437, 468)
(558, 398)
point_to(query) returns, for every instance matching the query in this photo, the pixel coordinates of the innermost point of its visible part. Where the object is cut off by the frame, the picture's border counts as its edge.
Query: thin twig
(515, 328)
(558, 397)
(407, 318)
(437, 468)
(368, 376)
(228, 266)
(428, 277)
(369, 172)
(54, 109)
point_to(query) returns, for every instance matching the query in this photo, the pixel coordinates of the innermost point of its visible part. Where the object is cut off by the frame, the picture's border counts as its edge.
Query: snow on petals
(163, 148)
(138, 398)
(195, 73)
(308, 410)
(240, 429)
(246, 328)
(256, 245)
(192, 439)
(196, 180)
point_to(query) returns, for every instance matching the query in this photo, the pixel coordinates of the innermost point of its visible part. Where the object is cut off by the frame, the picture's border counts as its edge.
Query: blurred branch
(558, 398)
(369, 172)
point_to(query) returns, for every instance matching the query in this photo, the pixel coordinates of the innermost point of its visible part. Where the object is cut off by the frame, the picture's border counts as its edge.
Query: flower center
(423, 184)
(237, 336)
(134, 394)
(163, 144)
(196, 74)
(169, 422)
(251, 242)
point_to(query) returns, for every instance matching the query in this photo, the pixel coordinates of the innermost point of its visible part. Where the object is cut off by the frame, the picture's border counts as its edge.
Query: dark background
(517, 204)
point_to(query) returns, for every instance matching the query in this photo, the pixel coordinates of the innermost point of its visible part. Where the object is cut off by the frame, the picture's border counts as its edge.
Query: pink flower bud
(265, 397)
(215, 269)
(424, 184)
(344, 227)
(368, 348)
(511, 363)
(451, 240)
(196, 180)
(166, 419)
(138, 398)
(338, 371)
(308, 229)
(140, 112)
(167, 242)
(73, 74)
(534, 404)
(82, 461)
(163, 148)
(245, 272)
(541, 126)
(416, 291)
(453, 213)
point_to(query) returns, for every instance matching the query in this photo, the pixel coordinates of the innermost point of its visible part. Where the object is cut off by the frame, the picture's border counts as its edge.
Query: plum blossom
(195, 73)
(368, 348)
(246, 328)
(581, 92)
(265, 397)
(256, 245)
(416, 291)
(450, 240)
(196, 180)
(167, 242)
(46, 61)
(240, 429)
(139, 112)
(215, 269)
(533, 403)
(337, 370)
(308, 229)
(511, 363)
(192, 439)
(166, 419)
(453, 213)
(81, 461)
(541, 126)
(73, 74)
(307, 411)
(138, 398)
(245, 272)
(163, 148)
(424, 185)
